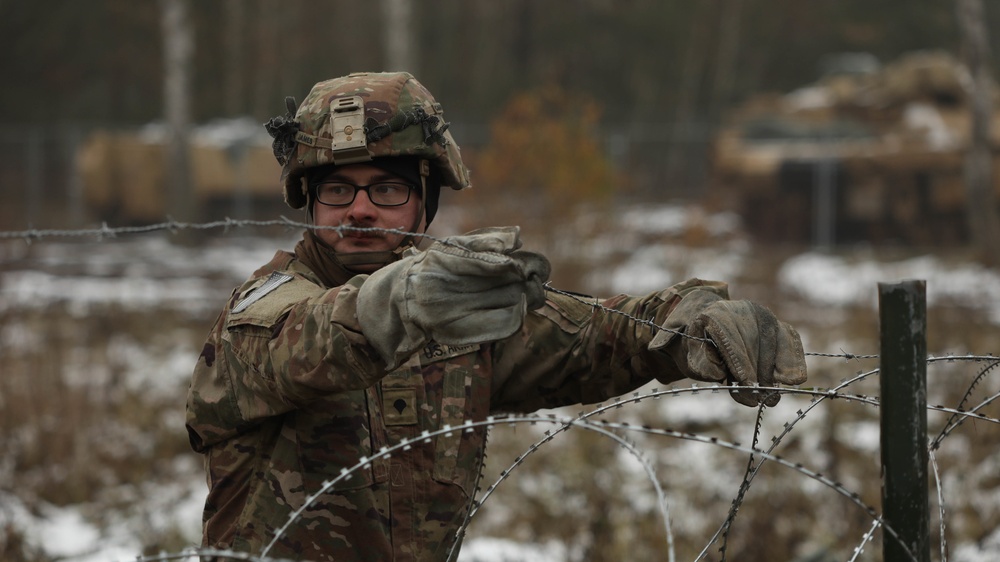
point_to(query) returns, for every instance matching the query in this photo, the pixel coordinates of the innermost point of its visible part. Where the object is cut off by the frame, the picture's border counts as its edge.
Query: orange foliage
(544, 149)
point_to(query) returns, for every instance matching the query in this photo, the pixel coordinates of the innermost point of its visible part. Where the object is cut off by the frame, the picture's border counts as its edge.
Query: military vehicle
(233, 172)
(866, 154)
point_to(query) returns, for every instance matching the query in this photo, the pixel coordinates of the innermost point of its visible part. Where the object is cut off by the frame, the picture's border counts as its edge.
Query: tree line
(102, 61)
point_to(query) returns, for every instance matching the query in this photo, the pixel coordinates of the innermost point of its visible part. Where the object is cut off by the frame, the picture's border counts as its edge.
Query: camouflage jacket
(287, 394)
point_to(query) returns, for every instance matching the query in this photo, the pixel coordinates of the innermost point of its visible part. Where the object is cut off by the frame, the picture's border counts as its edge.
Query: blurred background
(802, 151)
(851, 116)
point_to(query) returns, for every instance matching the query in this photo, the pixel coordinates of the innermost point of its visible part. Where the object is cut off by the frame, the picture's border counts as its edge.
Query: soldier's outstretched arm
(584, 351)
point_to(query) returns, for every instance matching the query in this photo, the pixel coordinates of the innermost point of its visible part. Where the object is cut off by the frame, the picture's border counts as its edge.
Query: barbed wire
(595, 303)
(610, 429)
(757, 456)
(744, 485)
(939, 488)
(601, 427)
(173, 226)
(865, 539)
(952, 423)
(582, 421)
(169, 225)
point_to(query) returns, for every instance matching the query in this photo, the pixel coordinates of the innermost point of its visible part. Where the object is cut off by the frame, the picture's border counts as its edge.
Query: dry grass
(80, 426)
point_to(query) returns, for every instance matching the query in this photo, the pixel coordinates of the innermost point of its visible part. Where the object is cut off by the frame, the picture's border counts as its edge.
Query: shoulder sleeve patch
(265, 302)
(275, 280)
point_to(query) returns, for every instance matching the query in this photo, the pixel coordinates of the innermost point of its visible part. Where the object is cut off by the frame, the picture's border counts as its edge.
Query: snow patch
(835, 281)
(925, 117)
(489, 549)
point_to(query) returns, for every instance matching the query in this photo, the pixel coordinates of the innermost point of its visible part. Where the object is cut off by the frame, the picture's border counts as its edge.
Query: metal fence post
(824, 202)
(903, 389)
(34, 175)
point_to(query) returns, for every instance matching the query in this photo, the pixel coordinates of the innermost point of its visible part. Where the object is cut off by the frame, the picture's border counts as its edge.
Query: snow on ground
(64, 529)
(135, 274)
(831, 280)
(654, 267)
(223, 133)
(35, 289)
(66, 533)
(677, 219)
(987, 550)
(489, 549)
(142, 272)
(645, 244)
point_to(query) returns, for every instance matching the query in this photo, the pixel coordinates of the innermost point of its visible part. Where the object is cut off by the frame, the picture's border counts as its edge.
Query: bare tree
(726, 56)
(178, 51)
(984, 221)
(690, 88)
(235, 28)
(267, 58)
(400, 47)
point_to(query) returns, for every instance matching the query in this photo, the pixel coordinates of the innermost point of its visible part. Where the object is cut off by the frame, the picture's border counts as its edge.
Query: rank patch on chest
(399, 406)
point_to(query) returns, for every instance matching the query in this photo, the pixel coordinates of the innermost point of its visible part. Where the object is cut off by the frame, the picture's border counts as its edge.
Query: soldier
(357, 341)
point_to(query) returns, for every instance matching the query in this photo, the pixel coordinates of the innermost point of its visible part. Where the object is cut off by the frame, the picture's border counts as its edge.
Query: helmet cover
(359, 118)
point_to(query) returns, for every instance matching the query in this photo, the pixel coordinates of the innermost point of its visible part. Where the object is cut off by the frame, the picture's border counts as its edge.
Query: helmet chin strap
(349, 260)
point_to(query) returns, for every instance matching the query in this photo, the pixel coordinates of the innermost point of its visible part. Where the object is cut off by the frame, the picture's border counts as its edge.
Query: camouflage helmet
(360, 117)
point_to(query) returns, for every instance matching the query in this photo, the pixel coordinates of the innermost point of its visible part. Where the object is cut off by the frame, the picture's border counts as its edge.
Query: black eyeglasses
(383, 193)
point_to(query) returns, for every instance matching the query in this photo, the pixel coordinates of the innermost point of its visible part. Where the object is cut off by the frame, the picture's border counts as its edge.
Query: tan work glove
(467, 289)
(748, 346)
